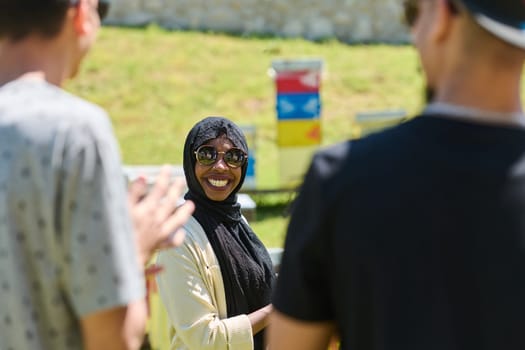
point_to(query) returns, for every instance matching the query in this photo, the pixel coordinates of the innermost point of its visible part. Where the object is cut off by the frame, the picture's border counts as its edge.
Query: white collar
(475, 115)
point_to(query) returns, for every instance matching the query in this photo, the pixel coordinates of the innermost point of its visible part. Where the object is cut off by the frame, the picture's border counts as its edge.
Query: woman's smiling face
(218, 180)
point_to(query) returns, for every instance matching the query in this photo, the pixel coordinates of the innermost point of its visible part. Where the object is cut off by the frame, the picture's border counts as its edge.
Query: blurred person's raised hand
(156, 214)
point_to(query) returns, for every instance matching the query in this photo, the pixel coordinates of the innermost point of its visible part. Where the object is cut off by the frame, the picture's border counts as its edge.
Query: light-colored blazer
(192, 291)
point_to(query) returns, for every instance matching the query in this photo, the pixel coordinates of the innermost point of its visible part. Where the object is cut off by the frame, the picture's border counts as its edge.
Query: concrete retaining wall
(346, 20)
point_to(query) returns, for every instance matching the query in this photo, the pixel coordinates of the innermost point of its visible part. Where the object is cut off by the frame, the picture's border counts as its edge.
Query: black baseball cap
(503, 18)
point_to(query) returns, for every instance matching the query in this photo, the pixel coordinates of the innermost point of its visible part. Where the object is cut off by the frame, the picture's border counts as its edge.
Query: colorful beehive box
(298, 108)
(250, 180)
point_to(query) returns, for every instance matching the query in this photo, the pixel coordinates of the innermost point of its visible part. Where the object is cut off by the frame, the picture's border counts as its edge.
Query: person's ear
(442, 20)
(81, 18)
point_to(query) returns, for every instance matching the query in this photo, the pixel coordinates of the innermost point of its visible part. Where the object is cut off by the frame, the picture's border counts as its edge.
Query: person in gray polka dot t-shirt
(71, 250)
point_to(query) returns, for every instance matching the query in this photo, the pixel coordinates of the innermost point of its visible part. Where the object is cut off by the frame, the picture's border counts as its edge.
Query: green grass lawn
(157, 84)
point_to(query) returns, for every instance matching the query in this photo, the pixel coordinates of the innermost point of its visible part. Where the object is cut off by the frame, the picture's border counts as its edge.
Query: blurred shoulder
(38, 104)
(327, 161)
(195, 234)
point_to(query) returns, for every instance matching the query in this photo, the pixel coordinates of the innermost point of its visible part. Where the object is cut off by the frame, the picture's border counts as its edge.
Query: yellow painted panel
(297, 133)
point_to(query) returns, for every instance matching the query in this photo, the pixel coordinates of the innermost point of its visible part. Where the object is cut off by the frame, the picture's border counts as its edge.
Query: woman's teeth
(218, 183)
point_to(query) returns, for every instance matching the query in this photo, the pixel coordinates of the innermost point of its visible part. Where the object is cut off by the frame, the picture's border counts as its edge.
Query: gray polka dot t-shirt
(66, 245)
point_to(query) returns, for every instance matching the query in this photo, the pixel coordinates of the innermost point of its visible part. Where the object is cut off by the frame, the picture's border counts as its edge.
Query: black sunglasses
(102, 8)
(411, 10)
(208, 155)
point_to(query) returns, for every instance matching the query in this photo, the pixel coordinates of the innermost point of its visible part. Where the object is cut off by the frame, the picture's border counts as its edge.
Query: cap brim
(509, 34)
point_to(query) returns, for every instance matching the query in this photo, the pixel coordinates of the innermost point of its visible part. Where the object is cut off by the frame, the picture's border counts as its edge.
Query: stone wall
(347, 20)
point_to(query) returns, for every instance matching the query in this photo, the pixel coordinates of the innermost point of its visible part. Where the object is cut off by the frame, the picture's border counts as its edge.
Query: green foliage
(156, 84)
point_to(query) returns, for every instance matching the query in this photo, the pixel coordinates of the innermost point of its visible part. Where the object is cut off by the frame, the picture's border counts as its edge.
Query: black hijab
(245, 264)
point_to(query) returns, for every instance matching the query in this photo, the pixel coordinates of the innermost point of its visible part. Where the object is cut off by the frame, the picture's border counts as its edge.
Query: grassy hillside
(156, 84)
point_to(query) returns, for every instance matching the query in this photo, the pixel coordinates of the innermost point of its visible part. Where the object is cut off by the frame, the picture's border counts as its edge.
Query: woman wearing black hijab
(217, 286)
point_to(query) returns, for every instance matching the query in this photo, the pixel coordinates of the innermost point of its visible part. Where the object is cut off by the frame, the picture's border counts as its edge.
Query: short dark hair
(20, 18)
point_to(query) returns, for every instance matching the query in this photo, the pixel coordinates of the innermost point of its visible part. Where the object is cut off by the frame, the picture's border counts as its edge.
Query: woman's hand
(259, 318)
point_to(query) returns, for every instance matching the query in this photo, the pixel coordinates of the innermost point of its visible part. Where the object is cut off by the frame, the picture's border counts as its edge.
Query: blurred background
(159, 66)
(297, 75)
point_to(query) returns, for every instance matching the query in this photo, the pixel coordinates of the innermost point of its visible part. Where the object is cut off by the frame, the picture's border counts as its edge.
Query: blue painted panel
(298, 106)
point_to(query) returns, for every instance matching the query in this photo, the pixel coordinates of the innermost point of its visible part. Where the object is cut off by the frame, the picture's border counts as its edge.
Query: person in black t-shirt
(414, 238)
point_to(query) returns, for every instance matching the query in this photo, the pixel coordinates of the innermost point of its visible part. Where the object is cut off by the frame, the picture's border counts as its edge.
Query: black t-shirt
(413, 238)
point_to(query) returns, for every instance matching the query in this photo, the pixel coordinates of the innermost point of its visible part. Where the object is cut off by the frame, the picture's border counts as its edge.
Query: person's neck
(33, 58)
(476, 86)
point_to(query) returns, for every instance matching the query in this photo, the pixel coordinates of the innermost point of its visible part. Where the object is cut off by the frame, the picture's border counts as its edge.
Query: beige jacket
(192, 291)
